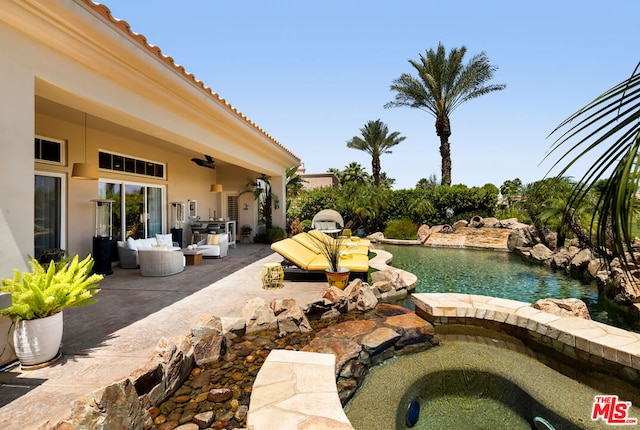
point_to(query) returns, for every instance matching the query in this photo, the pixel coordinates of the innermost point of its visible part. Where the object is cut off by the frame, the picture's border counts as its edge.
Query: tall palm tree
(444, 83)
(375, 141)
(610, 122)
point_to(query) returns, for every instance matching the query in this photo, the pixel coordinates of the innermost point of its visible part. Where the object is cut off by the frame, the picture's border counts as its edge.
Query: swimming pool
(500, 274)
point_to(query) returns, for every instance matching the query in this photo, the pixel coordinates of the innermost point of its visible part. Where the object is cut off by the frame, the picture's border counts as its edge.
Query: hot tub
(471, 382)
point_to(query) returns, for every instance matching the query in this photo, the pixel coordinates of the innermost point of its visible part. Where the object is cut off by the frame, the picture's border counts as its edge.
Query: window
(48, 228)
(232, 208)
(49, 150)
(133, 166)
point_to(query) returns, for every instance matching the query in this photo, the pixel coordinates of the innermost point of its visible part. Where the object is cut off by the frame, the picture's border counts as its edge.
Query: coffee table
(193, 256)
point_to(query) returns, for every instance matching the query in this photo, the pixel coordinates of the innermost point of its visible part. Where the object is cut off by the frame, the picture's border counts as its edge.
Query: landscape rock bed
(217, 396)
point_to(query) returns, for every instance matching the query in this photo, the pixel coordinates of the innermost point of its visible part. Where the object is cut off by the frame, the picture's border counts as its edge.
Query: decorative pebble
(153, 411)
(181, 399)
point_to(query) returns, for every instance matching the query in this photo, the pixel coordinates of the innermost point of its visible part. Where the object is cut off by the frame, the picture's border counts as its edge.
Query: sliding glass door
(137, 211)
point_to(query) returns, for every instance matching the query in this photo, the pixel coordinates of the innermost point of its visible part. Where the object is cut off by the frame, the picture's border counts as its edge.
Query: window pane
(159, 171)
(50, 151)
(135, 215)
(105, 160)
(37, 148)
(129, 165)
(107, 190)
(118, 163)
(154, 208)
(47, 213)
(140, 167)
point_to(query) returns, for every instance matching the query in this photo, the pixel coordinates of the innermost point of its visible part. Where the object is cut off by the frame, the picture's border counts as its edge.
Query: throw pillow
(131, 243)
(165, 239)
(214, 239)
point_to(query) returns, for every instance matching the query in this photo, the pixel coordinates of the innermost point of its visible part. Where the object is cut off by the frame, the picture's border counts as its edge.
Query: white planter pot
(38, 341)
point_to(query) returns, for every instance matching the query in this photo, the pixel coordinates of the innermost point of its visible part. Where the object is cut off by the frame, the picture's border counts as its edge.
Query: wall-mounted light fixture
(85, 170)
(216, 188)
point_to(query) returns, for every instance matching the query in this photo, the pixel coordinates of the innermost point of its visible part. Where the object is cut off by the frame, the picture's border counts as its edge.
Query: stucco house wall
(69, 71)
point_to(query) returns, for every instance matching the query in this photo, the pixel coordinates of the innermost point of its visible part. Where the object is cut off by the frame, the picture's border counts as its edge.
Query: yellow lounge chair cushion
(310, 241)
(307, 259)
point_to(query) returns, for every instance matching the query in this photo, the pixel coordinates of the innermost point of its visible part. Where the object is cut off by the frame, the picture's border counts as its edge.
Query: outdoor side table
(272, 275)
(192, 256)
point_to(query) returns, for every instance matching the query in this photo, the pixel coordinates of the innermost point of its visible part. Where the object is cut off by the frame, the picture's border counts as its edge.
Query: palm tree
(261, 190)
(353, 173)
(611, 121)
(427, 184)
(375, 141)
(295, 182)
(386, 182)
(444, 83)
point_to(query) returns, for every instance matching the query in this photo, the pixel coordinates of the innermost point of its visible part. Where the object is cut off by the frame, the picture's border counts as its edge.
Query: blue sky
(311, 74)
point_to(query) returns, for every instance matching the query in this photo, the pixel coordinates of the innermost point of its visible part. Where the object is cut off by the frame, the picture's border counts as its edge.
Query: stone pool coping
(613, 348)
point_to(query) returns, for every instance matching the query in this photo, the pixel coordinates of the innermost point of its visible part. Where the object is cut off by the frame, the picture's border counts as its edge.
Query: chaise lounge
(304, 260)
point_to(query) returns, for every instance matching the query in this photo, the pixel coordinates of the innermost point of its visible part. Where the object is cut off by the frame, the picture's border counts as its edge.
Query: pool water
(501, 274)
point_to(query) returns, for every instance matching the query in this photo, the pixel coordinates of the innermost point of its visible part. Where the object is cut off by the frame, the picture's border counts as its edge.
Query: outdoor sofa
(128, 251)
(160, 262)
(304, 260)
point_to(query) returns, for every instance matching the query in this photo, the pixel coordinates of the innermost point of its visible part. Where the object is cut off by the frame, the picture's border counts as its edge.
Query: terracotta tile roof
(125, 28)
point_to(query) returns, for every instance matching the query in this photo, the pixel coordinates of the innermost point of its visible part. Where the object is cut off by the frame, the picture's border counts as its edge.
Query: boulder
(459, 225)
(564, 307)
(293, 320)
(379, 340)
(376, 237)
(541, 253)
(280, 305)
(519, 238)
(423, 233)
(511, 223)
(563, 256)
(233, 327)
(113, 406)
(258, 316)
(491, 222)
(580, 262)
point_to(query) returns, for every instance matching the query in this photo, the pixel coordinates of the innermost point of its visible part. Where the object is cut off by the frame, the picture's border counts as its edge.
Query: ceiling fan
(208, 162)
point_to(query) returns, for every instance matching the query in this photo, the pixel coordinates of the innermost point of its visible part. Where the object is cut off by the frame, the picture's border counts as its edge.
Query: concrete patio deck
(106, 341)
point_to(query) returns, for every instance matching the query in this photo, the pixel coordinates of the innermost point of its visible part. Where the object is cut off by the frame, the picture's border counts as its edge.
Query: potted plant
(331, 248)
(38, 299)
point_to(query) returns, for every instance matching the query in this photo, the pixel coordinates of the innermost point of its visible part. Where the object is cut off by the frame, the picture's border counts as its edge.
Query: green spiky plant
(331, 249)
(49, 289)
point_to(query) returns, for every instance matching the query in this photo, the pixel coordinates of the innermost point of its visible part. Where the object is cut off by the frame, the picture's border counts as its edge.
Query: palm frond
(612, 121)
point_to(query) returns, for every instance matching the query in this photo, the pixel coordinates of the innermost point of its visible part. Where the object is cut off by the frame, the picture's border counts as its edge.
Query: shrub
(296, 227)
(275, 234)
(401, 229)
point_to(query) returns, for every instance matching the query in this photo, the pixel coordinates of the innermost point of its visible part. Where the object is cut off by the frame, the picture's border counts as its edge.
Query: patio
(106, 341)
